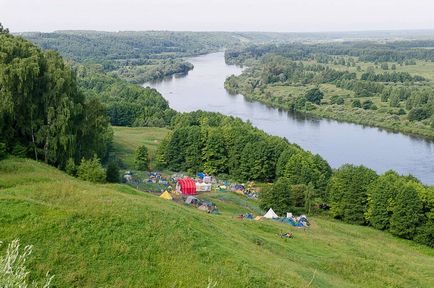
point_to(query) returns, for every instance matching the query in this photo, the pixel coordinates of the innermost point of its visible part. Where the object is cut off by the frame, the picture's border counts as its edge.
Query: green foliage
(278, 196)
(127, 104)
(425, 234)
(418, 114)
(407, 211)
(356, 104)
(305, 168)
(348, 194)
(91, 170)
(137, 57)
(284, 158)
(290, 77)
(3, 152)
(13, 269)
(71, 168)
(381, 195)
(229, 146)
(44, 115)
(142, 158)
(112, 172)
(336, 99)
(314, 95)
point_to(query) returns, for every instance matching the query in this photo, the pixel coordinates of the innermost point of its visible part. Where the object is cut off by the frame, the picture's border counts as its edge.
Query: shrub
(339, 100)
(91, 170)
(112, 173)
(2, 150)
(356, 104)
(13, 270)
(314, 95)
(418, 114)
(70, 167)
(142, 158)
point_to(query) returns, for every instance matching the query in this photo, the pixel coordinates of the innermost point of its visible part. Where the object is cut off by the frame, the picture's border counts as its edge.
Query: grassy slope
(127, 139)
(114, 236)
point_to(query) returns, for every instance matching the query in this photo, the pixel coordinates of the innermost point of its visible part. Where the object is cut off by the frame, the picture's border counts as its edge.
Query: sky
(217, 15)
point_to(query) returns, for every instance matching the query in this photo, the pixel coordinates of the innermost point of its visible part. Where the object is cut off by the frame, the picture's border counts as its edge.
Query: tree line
(303, 182)
(127, 104)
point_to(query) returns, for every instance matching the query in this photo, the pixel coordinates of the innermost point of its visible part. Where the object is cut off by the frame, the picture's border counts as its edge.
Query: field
(127, 139)
(92, 235)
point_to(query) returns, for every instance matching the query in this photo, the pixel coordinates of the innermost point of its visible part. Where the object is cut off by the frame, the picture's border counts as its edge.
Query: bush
(425, 234)
(13, 270)
(418, 114)
(368, 105)
(70, 167)
(112, 173)
(314, 95)
(91, 170)
(2, 150)
(339, 100)
(356, 104)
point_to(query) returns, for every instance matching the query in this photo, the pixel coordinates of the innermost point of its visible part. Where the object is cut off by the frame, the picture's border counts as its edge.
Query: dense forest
(137, 57)
(43, 113)
(387, 85)
(231, 148)
(127, 104)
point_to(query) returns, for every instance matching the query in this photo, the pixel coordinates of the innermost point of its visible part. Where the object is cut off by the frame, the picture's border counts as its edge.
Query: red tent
(186, 186)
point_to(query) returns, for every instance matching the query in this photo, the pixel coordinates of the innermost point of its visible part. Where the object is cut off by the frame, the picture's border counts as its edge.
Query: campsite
(112, 229)
(218, 144)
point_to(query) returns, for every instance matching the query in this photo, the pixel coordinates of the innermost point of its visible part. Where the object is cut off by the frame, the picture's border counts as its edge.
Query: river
(337, 142)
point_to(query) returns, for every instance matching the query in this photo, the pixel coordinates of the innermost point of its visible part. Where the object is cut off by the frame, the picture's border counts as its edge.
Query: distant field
(91, 235)
(127, 139)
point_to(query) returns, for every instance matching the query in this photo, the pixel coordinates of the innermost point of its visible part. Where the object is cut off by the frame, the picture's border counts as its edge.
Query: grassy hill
(114, 236)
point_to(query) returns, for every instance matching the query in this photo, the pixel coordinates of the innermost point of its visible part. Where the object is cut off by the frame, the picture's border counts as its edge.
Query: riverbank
(342, 113)
(337, 142)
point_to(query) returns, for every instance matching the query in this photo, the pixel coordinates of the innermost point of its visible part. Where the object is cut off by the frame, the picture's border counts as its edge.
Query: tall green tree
(278, 196)
(407, 211)
(142, 158)
(381, 196)
(348, 194)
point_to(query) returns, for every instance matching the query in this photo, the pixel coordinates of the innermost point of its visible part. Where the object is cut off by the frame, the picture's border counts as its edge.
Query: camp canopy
(166, 196)
(186, 186)
(270, 214)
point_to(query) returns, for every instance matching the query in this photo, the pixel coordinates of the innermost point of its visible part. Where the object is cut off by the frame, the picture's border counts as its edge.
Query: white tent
(270, 214)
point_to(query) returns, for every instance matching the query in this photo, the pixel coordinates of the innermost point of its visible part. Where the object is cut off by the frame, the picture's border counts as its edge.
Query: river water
(337, 142)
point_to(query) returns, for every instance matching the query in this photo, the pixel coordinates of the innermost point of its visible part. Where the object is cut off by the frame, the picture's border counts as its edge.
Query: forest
(304, 182)
(126, 104)
(43, 113)
(137, 57)
(385, 85)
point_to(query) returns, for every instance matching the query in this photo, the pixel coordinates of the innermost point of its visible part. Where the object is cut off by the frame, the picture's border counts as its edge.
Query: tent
(166, 195)
(203, 187)
(270, 214)
(191, 200)
(186, 186)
